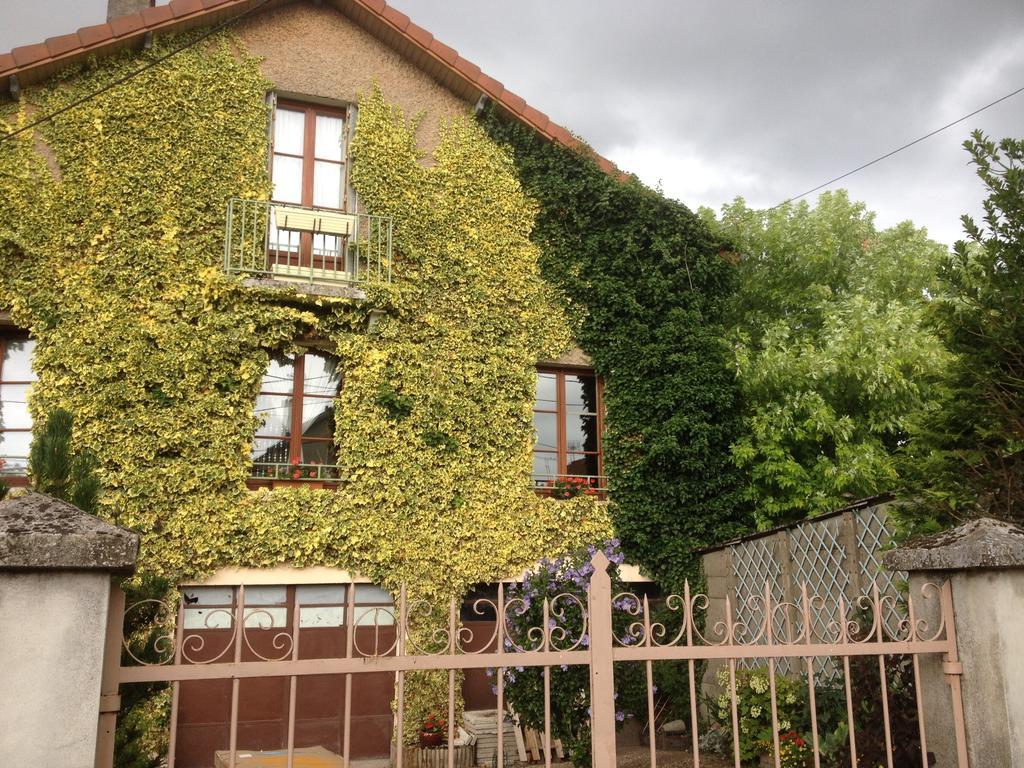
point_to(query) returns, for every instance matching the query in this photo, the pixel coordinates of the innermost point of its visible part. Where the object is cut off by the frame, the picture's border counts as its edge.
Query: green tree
(58, 468)
(967, 457)
(832, 352)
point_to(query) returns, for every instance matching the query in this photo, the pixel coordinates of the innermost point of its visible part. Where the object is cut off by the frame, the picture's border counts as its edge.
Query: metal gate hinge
(952, 668)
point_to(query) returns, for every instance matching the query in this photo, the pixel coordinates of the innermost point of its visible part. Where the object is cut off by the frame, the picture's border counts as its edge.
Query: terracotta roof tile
(513, 102)
(419, 35)
(468, 69)
(125, 25)
(62, 44)
(29, 54)
(536, 117)
(396, 17)
(446, 52)
(160, 17)
(185, 7)
(489, 85)
(98, 33)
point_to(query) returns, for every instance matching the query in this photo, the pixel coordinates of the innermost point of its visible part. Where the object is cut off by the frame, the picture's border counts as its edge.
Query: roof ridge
(119, 30)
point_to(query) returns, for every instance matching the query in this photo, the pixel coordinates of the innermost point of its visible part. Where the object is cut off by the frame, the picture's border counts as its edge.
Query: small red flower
(297, 474)
(312, 473)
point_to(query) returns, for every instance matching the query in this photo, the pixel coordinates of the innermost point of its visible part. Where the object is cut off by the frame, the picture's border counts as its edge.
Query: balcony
(317, 251)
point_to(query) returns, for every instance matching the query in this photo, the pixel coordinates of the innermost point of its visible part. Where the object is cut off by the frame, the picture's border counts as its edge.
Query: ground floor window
(296, 407)
(567, 421)
(16, 376)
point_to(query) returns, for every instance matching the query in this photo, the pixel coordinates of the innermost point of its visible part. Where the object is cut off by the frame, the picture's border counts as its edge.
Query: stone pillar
(56, 564)
(983, 560)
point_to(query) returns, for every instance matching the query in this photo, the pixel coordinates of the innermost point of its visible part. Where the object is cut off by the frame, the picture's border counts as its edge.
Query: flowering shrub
(564, 584)
(570, 487)
(754, 710)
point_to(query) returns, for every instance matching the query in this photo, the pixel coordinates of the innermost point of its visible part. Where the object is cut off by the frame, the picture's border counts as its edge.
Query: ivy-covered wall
(648, 288)
(111, 242)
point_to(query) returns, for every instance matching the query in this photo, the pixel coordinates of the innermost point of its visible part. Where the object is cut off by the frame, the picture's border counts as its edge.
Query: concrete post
(983, 560)
(56, 564)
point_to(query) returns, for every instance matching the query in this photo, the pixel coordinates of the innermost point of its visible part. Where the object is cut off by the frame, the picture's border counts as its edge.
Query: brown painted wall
(319, 52)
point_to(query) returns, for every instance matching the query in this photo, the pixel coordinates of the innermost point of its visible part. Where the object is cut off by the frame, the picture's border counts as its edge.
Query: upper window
(15, 421)
(296, 404)
(308, 170)
(567, 420)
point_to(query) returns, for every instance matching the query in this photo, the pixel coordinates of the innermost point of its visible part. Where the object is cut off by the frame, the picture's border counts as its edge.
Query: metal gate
(615, 629)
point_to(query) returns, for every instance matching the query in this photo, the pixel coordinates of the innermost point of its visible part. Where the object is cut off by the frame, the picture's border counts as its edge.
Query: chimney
(124, 7)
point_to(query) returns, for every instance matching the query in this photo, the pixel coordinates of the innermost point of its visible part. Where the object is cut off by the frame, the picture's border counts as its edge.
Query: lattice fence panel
(874, 532)
(819, 562)
(755, 564)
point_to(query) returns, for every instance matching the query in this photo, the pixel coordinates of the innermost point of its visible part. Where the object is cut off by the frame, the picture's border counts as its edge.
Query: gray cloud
(762, 99)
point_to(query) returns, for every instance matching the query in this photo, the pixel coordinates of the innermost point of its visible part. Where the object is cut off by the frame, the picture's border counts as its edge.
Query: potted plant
(296, 473)
(433, 731)
(569, 487)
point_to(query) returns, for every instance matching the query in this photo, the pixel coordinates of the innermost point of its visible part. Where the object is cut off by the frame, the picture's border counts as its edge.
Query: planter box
(437, 757)
(316, 484)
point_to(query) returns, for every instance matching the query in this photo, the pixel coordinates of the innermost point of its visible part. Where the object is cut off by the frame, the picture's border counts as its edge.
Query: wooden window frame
(298, 397)
(561, 413)
(309, 160)
(8, 336)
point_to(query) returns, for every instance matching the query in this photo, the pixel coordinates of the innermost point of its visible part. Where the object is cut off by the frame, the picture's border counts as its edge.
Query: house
(266, 255)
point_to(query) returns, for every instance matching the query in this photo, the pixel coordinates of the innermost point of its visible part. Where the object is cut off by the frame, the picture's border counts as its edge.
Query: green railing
(292, 243)
(271, 470)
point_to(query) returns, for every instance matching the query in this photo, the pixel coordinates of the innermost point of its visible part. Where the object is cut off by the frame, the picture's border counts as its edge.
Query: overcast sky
(720, 98)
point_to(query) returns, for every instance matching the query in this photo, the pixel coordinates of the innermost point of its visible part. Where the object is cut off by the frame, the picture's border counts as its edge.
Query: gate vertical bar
(951, 662)
(602, 666)
(179, 643)
(110, 701)
(346, 726)
(500, 672)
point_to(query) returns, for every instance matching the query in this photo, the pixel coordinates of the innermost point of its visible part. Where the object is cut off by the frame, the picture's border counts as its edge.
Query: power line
(134, 73)
(899, 149)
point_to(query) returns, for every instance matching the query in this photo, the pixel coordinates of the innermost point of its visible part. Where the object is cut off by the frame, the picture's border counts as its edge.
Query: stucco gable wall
(319, 52)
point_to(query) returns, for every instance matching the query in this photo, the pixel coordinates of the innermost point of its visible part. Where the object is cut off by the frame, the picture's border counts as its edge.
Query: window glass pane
(17, 363)
(580, 464)
(581, 393)
(545, 429)
(321, 594)
(276, 413)
(545, 468)
(321, 375)
(282, 239)
(287, 179)
(208, 618)
(369, 617)
(319, 452)
(328, 137)
(14, 450)
(327, 184)
(262, 595)
(269, 451)
(206, 596)
(329, 247)
(266, 618)
(580, 432)
(14, 407)
(321, 616)
(279, 376)
(370, 594)
(289, 131)
(546, 397)
(317, 417)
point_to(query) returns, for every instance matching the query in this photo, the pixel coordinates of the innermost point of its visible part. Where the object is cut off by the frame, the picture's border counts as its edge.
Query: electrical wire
(134, 73)
(899, 149)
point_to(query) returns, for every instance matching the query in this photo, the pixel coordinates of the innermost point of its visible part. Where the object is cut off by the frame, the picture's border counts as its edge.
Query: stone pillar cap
(39, 532)
(980, 543)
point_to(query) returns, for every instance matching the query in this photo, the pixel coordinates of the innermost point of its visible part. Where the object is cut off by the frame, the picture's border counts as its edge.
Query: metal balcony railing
(292, 243)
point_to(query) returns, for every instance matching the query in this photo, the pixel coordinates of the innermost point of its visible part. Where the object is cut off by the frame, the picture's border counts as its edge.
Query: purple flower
(654, 689)
(519, 669)
(494, 690)
(585, 641)
(490, 671)
(620, 716)
(564, 667)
